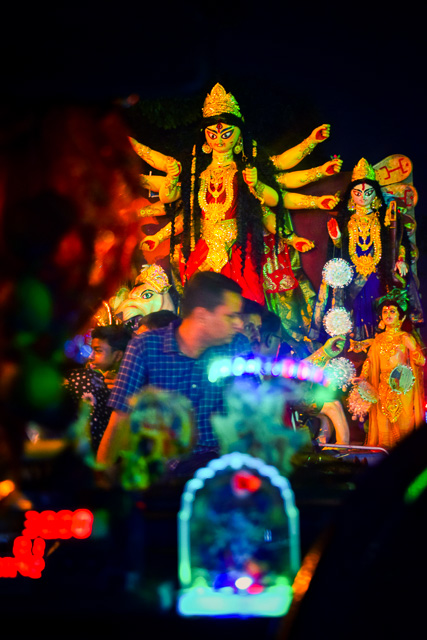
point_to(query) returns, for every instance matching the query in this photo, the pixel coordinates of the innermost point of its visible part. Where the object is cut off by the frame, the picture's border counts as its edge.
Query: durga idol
(228, 202)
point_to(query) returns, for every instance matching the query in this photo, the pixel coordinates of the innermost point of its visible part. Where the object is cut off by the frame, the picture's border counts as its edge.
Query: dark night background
(291, 68)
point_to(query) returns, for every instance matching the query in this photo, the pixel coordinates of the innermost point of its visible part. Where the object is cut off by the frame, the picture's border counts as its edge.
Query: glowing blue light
(85, 351)
(266, 369)
(225, 370)
(238, 366)
(276, 369)
(255, 366)
(78, 348)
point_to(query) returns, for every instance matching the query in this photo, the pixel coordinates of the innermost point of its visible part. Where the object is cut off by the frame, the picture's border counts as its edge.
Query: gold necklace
(216, 181)
(364, 231)
(224, 160)
(218, 233)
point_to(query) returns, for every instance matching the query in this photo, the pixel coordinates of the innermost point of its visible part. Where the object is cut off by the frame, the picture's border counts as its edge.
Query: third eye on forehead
(391, 308)
(221, 128)
(363, 189)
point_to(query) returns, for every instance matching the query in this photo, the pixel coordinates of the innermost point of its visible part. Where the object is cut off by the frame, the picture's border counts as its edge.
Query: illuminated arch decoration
(238, 536)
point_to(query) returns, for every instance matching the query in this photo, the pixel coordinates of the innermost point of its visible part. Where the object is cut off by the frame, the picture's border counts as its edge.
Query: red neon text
(29, 548)
(61, 525)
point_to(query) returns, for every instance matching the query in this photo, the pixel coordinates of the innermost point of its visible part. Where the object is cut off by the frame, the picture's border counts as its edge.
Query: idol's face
(222, 137)
(390, 316)
(363, 194)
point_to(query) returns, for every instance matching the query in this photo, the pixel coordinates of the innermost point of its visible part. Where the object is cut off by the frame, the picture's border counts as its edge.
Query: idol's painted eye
(227, 134)
(211, 134)
(369, 192)
(147, 295)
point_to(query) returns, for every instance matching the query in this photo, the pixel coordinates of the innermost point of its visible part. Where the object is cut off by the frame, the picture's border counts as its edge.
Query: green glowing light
(416, 487)
(36, 303)
(273, 601)
(43, 383)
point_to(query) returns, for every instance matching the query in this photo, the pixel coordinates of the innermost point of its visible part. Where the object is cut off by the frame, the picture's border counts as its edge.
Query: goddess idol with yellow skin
(228, 201)
(369, 233)
(393, 370)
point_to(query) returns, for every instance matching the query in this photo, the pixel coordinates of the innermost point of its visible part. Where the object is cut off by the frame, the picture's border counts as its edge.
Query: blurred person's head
(270, 335)
(156, 320)
(108, 346)
(252, 313)
(212, 302)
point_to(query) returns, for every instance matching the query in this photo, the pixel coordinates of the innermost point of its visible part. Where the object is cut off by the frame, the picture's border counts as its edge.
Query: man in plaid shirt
(177, 358)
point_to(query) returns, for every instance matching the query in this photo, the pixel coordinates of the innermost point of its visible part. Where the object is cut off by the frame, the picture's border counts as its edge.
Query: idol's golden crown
(154, 276)
(218, 101)
(363, 170)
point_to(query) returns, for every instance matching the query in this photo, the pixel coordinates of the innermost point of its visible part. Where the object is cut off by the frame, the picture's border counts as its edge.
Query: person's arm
(115, 438)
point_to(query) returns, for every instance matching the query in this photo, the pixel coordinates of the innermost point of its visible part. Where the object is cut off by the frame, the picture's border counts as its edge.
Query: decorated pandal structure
(240, 537)
(231, 209)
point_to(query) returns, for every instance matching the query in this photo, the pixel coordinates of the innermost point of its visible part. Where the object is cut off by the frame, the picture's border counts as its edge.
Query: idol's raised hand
(332, 166)
(320, 134)
(328, 202)
(250, 176)
(301, 244)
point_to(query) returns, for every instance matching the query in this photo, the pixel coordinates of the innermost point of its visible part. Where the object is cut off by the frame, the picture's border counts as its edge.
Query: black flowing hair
(249, 212)
(385, 267)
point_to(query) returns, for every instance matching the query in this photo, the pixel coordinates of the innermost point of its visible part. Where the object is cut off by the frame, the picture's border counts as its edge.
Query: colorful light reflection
(288, 368)
(241, 594)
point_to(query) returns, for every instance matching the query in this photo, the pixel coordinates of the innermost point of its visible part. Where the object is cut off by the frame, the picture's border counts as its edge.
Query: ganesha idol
(150, 294)
(228, 201)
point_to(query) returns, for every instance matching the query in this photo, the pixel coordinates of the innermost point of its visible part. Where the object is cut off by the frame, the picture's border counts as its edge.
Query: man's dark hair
(250, 307)
(158, 319)
(206, 289)
(270, 324)
(116, 335)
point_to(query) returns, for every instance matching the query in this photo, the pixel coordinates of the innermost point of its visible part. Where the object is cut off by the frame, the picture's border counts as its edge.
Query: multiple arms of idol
(169, 189)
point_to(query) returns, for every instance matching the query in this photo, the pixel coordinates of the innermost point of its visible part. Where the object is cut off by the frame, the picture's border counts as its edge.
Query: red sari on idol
(216, 249)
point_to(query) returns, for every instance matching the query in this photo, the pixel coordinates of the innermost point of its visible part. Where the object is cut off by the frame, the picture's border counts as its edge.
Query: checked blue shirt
(154, 358)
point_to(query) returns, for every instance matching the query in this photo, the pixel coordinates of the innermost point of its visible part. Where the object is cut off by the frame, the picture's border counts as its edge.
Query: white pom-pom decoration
(337, 322)
(337, 273)
(340, 371)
